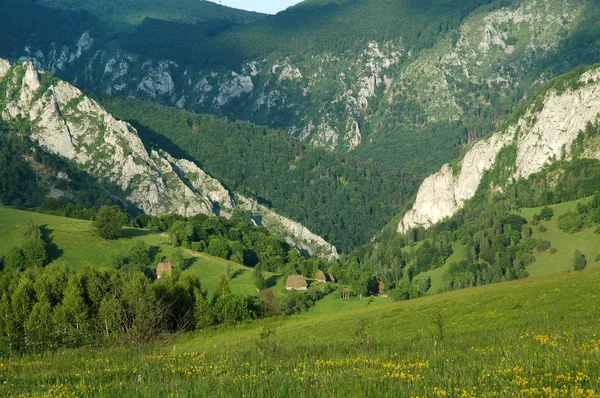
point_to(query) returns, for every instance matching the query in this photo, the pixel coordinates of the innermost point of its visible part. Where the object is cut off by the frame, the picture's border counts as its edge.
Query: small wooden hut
(320, 277)
(163, 270)
(296, 282)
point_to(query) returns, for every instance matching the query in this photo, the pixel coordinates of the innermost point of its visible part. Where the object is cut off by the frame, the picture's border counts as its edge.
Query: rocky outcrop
(543, 135)
(295, 233)
(67, 123)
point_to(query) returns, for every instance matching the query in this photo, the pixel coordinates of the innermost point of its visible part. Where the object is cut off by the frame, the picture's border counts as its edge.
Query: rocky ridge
(327, 98)
(542, 135)
(66, 122)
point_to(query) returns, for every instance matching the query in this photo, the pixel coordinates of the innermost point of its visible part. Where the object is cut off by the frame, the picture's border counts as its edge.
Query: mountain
(338, 197)
(552, 127)
(126, 13)
(65, 122)
(524, 201)
(403, 83)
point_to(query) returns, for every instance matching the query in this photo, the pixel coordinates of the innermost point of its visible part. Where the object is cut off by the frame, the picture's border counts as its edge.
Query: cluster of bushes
(586, 215)
(46, 307)
(238, 241)
(296, 302)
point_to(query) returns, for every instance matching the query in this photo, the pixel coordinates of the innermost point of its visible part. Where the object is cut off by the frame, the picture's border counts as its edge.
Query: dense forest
(344, 200)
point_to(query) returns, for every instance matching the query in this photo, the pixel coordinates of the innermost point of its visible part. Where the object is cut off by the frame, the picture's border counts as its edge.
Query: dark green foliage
(570, 222)
(109, 221)
(233, 308)
(405, 291)
(587, 215)
(218, 247)
(342, 199)
(543, 245)
(240, 242)
(579, 261)
(48, 308)
(296, 302)
(546, 213)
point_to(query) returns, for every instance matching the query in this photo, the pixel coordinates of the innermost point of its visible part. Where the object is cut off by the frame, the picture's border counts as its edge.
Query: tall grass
(535, 337)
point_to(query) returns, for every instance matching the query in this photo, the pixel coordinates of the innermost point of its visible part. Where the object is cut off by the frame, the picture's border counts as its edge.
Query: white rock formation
(234, 88)
(66, 122)
(4, 67)
(300, 236)
(540, 138)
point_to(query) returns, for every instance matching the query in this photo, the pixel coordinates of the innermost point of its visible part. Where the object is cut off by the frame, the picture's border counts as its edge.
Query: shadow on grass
(272, 280)
(237, 273)
(54, 252)
(130, 233)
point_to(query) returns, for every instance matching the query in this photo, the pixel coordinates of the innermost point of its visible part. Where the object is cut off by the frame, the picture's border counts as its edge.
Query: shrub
(546, 213)
(543, 245)
(109, 221)
(579, 262)
(542, 229)
(570, 222)
(553, 250)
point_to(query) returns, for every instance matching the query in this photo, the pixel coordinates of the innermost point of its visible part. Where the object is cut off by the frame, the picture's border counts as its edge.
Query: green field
(586, 241)
(77, 245)
(534, 337)
(546, 263)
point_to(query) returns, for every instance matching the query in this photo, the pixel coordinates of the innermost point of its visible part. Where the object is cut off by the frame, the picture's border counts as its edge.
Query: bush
(404, 291)
(570, 222)
(542, 229)
(546, 213)
(553, 250)
(543, 245)
(579, 262)
(109, 221)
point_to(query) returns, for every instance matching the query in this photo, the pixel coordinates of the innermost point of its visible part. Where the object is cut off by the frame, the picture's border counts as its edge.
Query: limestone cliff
(67, 123)
(544, 133)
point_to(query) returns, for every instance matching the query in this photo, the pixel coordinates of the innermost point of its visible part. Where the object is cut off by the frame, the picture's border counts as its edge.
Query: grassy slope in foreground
(534, 337)
(78, 246)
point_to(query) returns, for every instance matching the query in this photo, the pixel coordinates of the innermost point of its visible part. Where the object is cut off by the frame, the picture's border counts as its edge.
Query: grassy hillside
(546, 263)
(586, 241)
(74, 243)
(534, 337)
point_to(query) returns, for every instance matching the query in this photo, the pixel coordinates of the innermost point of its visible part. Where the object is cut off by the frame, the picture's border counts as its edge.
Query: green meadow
(73, 242)
(532, 337)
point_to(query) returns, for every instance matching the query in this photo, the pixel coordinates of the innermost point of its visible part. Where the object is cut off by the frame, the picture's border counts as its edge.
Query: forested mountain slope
(133, 12)
(560, 123)
(505, 209)
(385, 79)
(65, 122)
(342, 199)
